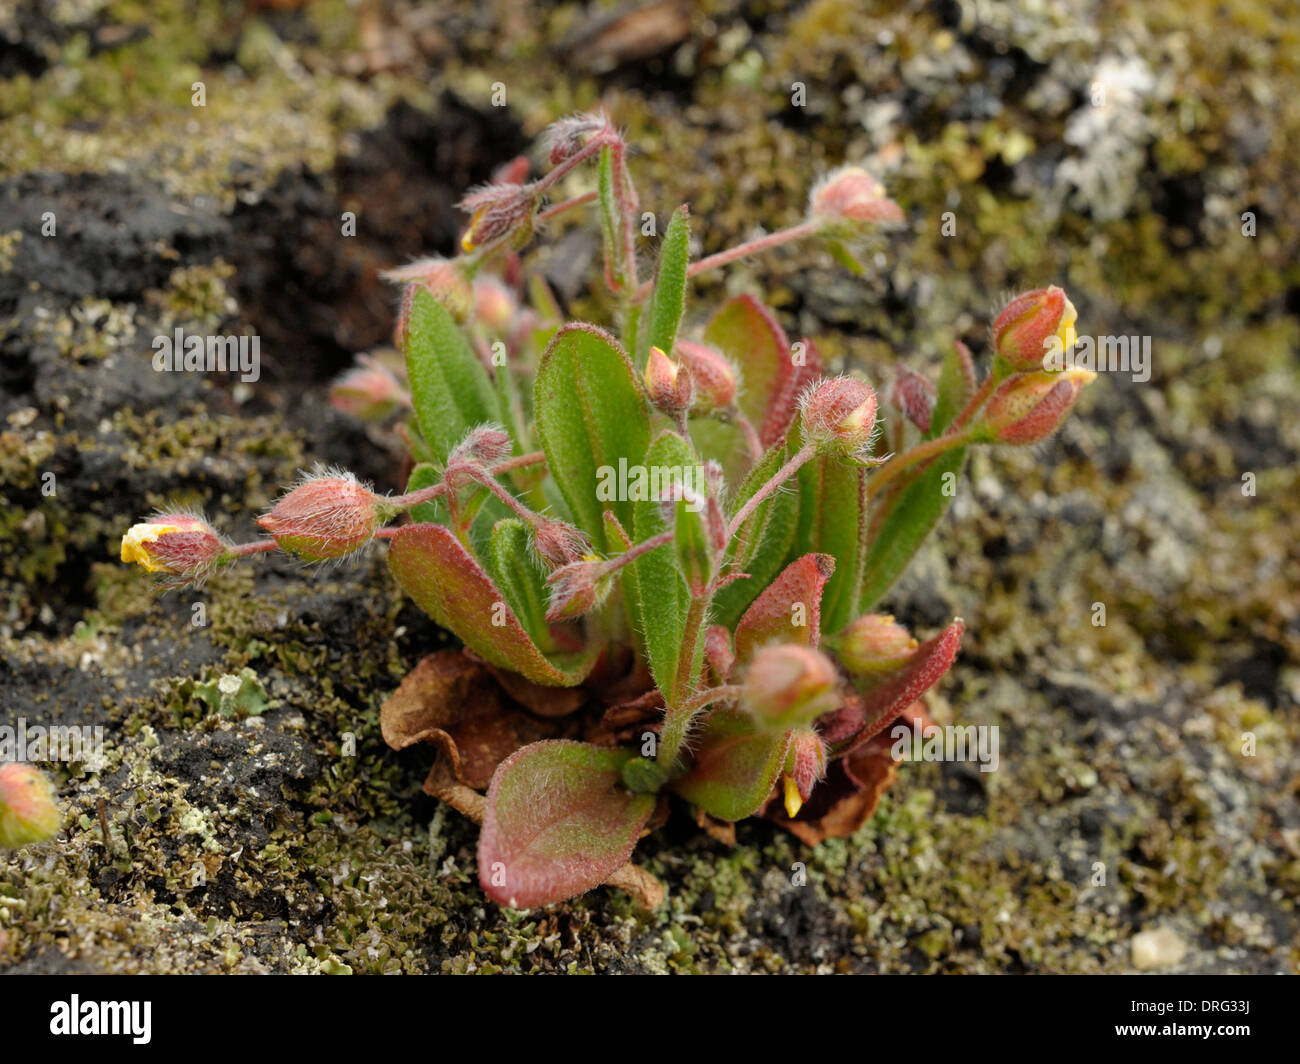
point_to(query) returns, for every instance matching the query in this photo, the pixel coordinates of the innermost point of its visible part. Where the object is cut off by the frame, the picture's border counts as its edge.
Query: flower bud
(327, 516)
(805, 764)
(669, 388)
(712, 376)
(577, 588)
(568, 136)
(874, 643)
(914, 396)
(1029, 407)
(28, 810)
(559, 543)
(1030, 324)
(498, 212)
(494, 305)
(369, 391)
(483, 445)
(839, 417)
(181, 547)
(788, 685)
(446, 281)
(850, 199)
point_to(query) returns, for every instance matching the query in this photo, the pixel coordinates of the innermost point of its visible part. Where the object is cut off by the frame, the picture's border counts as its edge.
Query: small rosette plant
(659, 545)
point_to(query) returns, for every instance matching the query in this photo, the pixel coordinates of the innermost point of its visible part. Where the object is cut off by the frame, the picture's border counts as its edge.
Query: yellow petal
(133, 544)
(793, 802)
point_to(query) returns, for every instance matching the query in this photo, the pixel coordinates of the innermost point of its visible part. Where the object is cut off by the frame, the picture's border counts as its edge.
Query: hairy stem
(783, 474)
(565, 205)
(922, 452)
(679, 714)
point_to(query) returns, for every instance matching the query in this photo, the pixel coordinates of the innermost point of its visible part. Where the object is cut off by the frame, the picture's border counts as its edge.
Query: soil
(1148, 772)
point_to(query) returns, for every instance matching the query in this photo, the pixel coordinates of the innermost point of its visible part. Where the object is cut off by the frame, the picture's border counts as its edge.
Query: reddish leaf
(888, 698)
(454, 702)
(447, 582)
(785, 403)
(772, 617)
(558, 822)
(735, 766)
(749, 334)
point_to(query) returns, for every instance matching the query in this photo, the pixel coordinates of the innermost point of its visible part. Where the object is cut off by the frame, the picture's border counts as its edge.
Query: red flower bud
(874, 643)
(805, 764)
(369, 391)
(712, 376)
(669, 388)
(914, 395)
(849, 198)
(1030, 324)
(577, 588)
(1029, 407)
(327, 516)
(559, 544)
(181, 547)
(28, 810)
(839, 417)
(499, 212)
(483, 445)
(565, 138)
(495, 305)
(788, 685)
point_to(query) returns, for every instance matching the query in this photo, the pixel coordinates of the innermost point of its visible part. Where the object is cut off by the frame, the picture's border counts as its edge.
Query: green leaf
(669, 298)
(434, 512)
(610, 218)
(658, 595)
(735, 766)
(447, 582)
(558, 822)
(510, 562)
(590, 415)
(748, 334)
(954, 392)
(903, 524)
(450, 390)
(831, 501)
(762, 543)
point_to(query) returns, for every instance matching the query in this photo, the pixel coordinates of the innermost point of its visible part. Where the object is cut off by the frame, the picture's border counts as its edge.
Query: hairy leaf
(789, 610)
(669, 298)
(831, 503)
(590, 415)
(886, 699)
(748, 334)
(558, 822)
(511, 564)
(658, 596)
(956, 386)
(450, 390)
(734, 767)
(762, 543)
(903, 522)
(447, 582)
